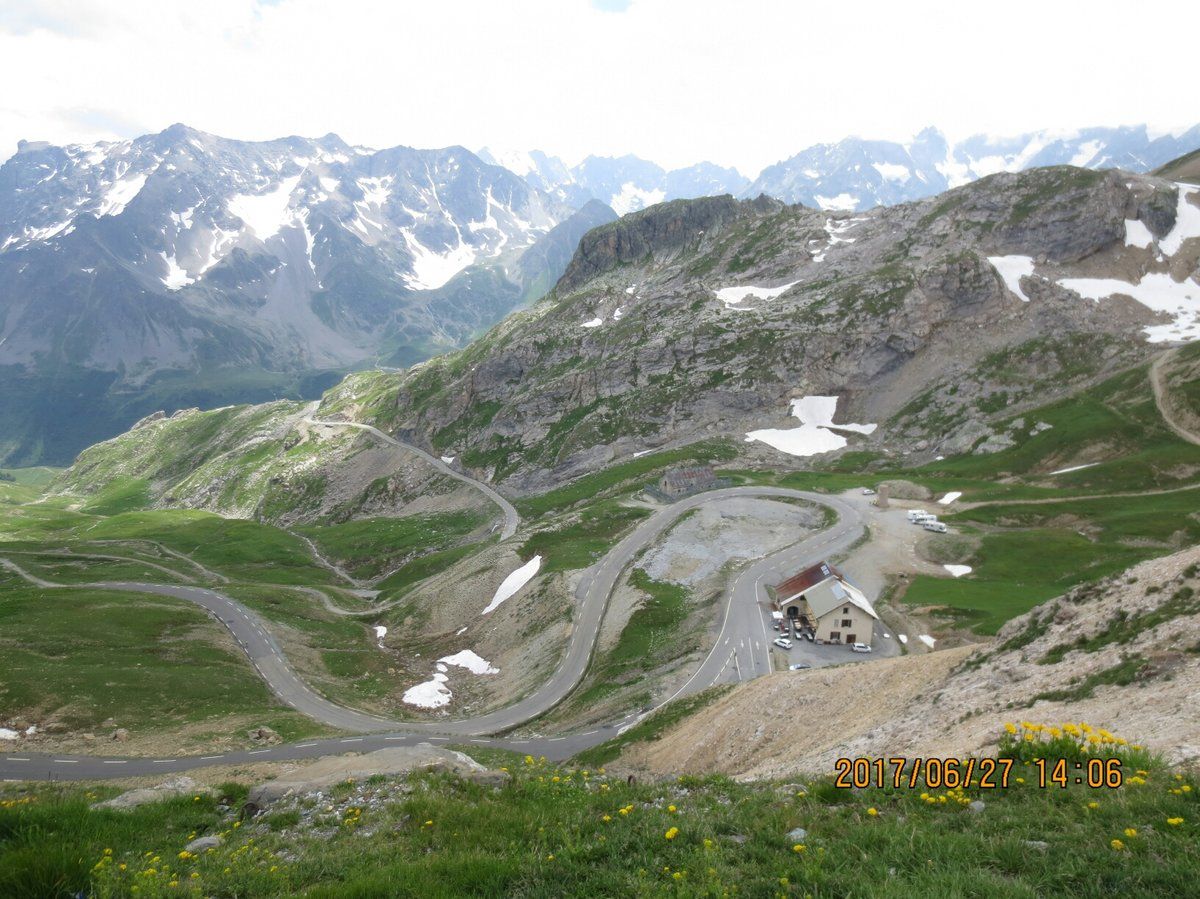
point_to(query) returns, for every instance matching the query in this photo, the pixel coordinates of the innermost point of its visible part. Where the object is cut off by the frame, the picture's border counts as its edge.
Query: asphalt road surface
(742, 646)
(511, 519)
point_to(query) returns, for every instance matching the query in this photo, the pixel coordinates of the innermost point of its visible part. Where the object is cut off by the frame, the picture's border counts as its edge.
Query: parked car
(860, 647)
(867, 491)
(782, 642)
(799, 666)
(936, 526)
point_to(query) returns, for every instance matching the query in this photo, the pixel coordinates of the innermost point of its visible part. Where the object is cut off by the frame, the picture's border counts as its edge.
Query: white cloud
(671, 80)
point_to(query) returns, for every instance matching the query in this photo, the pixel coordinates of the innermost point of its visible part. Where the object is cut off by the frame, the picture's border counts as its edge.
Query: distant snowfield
(513, 583)
(958, 570)
(592, 323)
(816, 433)
(843, 202)
(731, 296)
(265, 213)
(892, 172)
(632, 198)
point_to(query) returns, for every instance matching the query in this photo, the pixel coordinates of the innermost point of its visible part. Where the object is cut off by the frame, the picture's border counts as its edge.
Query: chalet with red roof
(822, 600)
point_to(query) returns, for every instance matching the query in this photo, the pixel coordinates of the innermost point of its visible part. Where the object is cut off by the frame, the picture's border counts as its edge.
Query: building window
(846, 622)
(846, 611)
(835, 636)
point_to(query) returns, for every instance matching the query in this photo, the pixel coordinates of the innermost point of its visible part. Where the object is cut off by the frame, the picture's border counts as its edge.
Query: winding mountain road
(742, 640)
(512, 520)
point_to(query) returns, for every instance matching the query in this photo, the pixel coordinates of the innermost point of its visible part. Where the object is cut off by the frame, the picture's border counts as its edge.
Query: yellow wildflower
(872, 812)
(672, 833)
(1117, 844)
(799, 847)
(1174, 822)
(1130, 832)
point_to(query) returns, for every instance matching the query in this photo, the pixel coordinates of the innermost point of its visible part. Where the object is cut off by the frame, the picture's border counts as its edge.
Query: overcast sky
(742, 83)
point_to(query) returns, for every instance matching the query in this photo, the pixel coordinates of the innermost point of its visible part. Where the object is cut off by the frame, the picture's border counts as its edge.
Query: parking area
(817, 655)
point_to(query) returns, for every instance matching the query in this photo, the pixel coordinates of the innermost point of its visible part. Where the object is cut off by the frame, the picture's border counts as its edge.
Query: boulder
(120, 735)
(264, 735)
(176, 786)
(326, 772)
(203, 844)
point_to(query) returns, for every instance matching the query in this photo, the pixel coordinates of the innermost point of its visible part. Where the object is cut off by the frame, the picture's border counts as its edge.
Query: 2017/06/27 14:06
(982, 773)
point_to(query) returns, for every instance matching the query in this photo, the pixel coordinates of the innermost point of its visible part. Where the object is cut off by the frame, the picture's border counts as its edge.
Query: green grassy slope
(555, 831)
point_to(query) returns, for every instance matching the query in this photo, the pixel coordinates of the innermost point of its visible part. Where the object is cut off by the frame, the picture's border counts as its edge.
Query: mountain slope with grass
(706, 318)
(527, 827)
(185, 269)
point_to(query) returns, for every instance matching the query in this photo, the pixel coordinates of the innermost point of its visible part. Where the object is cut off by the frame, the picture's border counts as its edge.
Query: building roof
(821, 604)
(689, 476)
(809, 577)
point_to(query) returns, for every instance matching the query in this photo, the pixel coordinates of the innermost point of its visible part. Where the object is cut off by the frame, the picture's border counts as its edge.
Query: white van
(936, 526)
(916, 516)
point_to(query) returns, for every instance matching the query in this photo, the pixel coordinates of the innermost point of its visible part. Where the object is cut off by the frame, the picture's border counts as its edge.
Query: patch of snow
(1012, 269)
(1086, 153)
(814, 435)
(631, 289)
(618, 314)
(449, 460)
(891, 172)
(958, 570)
(641, 453)
(120, 195)
(927, 640)
(265, 213)
(950, 497)
(513, 583)
(432, 694)
(175, 278)
(380, 633)
(183, 219)
(1075, 468)
(731, 296)
(955, 172)
(594, 323)
(843, 202)
(632, 198)
(462, 630)
(469, 660)
(329, 185)
(1187, 221)
(1157, 291)
(7, 734)
(988, 165)
(1137, 234)
(903, 638)
(431, 270)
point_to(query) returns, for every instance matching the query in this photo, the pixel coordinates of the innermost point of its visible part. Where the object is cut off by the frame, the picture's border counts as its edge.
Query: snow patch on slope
(265, 213)
(513, 583)
(1012, 269)
(816, 433)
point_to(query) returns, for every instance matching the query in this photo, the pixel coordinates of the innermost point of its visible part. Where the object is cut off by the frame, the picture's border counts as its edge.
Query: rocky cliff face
(128, 267)
(705, 318)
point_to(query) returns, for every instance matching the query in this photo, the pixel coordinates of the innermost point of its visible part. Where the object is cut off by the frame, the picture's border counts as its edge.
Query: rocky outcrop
(326, 772)
(168, 789)
(637, 346)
